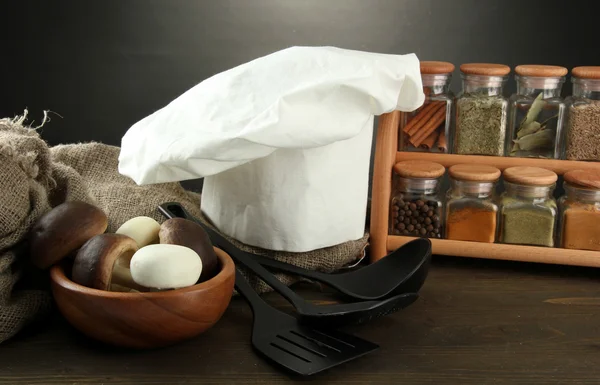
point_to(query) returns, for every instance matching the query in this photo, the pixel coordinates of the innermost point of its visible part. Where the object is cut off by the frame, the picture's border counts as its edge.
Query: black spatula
(304, 350)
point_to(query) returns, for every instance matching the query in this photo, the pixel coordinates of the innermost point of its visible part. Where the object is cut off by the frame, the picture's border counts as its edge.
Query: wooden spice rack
(386, 155)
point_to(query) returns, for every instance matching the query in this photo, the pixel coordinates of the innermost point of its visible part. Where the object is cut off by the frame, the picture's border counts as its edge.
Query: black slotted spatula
(304, 350)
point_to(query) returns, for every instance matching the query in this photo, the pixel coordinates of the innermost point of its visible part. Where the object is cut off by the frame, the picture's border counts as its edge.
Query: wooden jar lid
(531, 176)
(436, 67)
(586, 72)
(542, 71)
(583, 178)
(486, 69)
(419, 169)
(474, 172)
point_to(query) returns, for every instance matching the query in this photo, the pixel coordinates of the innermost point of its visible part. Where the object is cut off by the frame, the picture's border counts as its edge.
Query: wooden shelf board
(447, 160)
(505, 252)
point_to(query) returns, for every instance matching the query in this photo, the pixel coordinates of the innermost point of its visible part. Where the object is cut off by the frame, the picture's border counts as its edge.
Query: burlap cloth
(34, 178)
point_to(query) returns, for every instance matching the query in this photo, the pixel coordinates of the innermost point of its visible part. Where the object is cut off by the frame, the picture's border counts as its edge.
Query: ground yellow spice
(471, 224)
(581, 228)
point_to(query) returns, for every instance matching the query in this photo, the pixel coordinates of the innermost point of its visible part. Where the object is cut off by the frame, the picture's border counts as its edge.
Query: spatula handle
(175, 210)
(243, 287)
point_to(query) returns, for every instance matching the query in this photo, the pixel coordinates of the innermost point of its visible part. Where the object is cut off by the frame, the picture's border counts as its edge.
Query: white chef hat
(283, 143)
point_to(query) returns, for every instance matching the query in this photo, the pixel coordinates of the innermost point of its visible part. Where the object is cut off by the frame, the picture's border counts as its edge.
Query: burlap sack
(34, 178)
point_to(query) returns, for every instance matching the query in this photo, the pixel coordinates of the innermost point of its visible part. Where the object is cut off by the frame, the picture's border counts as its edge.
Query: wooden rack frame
(387, 154)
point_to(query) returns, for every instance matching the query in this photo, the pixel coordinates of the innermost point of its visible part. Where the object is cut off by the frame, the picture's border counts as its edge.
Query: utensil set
(308, 344)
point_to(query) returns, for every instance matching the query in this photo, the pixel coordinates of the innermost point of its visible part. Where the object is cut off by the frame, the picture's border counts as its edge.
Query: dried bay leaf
(530, 128)
(543, 139)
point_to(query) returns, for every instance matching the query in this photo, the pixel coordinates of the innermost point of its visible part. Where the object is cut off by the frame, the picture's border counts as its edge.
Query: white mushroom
(165, 266)
(144, 230)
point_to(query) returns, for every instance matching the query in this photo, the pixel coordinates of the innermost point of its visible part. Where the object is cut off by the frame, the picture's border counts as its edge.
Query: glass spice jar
(428, 129)
(579, 211)
(416, 206)
(481, 110)
(528, 210)
(471, 206)
(536, 112)
(583, 115)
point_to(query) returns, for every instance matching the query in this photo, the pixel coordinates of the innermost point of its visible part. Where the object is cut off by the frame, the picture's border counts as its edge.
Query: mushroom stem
(121, 277)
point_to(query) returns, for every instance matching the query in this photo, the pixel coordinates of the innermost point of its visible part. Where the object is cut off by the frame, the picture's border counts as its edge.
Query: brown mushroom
(103, 261)
(183, 232)
(63, 230)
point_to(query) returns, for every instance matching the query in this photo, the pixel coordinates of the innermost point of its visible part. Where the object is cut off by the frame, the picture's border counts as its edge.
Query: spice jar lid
(419, 169)
(586, 72)
(583, 178)
(486, 69)
(436, 67)
(542, 71)
(531, 176)
(474, 172)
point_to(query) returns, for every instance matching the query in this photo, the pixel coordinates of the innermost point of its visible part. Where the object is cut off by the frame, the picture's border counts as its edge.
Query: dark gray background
(103, 65)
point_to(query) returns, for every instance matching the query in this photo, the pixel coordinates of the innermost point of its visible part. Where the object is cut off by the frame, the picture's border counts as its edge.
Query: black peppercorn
(395, 214)
(427, 221)
(418, 227)
(420, 203)
(425, 208)
(429, 228)
(423, 231)
(409, 213)
(413, 206)
(402, 212)
(406, 207)
(435, 218)
(413, 221)
(405, 232)
(430, 213)
(401, 226)
(407, 221)
(400, 203)
(410, 228)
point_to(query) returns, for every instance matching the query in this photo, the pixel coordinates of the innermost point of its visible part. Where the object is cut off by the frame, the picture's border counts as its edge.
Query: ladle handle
(176, 210)
(292, 269)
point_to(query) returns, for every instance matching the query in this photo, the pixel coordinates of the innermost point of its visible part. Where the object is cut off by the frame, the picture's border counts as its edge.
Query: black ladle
(402, 271)
(323, 315)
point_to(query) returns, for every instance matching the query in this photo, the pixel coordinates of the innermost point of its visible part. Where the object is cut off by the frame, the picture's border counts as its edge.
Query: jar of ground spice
(428, 129)
(536, 112)
(583, 115)
(471, 207)
(417, 206)
(481, 110)
(580, 211)
(528, 210)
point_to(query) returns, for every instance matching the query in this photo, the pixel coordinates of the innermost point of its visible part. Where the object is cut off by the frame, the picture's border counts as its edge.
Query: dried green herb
(528, 224)
(480, 125)
(535, 138)
(583, 134)
(543, 139)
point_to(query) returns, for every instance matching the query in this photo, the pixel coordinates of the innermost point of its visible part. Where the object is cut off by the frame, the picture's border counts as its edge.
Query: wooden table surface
(477, 322)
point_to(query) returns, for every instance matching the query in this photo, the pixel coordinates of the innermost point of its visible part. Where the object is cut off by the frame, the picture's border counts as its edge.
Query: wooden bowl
(145, 320)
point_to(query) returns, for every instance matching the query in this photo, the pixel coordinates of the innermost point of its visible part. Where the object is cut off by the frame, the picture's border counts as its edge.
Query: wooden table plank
(477, 322)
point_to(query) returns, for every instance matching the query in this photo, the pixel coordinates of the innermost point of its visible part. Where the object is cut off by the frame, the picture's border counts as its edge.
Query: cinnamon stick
(442, 142)
(429, 127)
(421, 118)
(430, 140)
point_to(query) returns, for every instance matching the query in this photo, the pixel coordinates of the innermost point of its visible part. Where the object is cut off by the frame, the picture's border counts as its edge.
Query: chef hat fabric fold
(296, 98)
